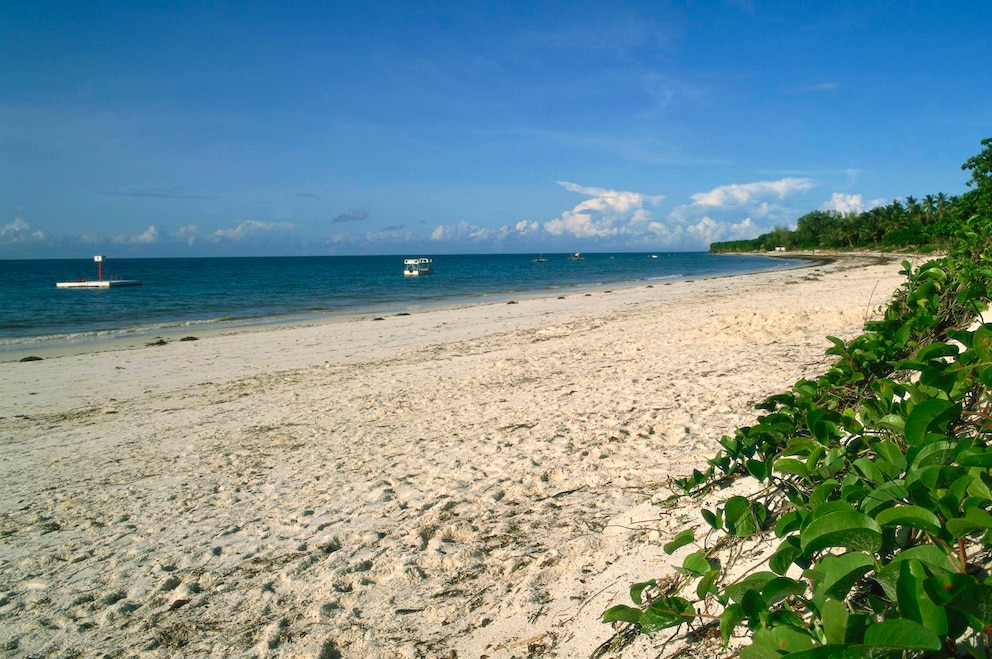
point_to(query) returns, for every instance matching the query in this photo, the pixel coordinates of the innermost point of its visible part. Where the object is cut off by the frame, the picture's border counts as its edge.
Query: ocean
(191, 292)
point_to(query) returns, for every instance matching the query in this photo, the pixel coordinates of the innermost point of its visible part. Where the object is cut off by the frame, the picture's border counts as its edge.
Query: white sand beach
(479, 481)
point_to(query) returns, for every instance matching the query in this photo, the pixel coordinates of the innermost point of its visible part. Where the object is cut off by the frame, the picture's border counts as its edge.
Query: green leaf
(832, 463)
(851, 529)
(781, 588)
(902, 634)
(981, 342)
(828, 508)
(781, 638)
(666, 612)
(843, 652)
(902, 335)
(680, 540)
(914, 603)
(729, 619)
(932, 557)
(757, 468)
(755, 581)
(894, 422)
(963, 593)
(760, 651)
(889, 470)
(622, 613)
(854, 489)
(637, 590)
(884, 496)
(891, 453)
(740, 516)
(790, 521)
(936, 351)
(928, 415)
(834, 576)
(979, 488)
(791, 466)
(713, 519)
(821, 426)
(868, 469)
(696, 563)
(785, 555)
(732, 444)
(834, 615)
(822, 492)
(975, 519)
(976, 458)
(754, 604)
(940, 452)
(705, 585)
(915, 516)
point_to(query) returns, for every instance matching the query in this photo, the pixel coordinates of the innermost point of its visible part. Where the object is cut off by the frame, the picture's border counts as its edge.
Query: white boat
(576, 257)
(417, 267)
(99, 282)
(539, 259)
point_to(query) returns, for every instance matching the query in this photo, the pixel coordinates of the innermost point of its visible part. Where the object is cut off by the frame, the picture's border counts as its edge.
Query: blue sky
(166, 129)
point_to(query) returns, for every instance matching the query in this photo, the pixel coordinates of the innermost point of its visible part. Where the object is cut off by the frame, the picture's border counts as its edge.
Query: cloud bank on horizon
(468, 129)
(625, 219)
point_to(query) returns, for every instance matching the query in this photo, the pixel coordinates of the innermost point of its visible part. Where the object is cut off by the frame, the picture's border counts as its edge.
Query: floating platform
(99, 282)
(102, 283)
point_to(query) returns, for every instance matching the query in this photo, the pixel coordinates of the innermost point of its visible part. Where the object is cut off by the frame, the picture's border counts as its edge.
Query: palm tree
(942, 205)
(929, 209)
(913, 209)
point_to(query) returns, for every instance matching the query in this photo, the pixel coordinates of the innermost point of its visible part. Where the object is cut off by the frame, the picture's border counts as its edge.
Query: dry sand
(478, 481)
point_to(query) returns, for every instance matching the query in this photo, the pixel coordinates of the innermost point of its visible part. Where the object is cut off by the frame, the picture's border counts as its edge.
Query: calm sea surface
(179, 293)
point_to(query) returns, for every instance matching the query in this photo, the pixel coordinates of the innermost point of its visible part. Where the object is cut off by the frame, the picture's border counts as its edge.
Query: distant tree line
(916, 224)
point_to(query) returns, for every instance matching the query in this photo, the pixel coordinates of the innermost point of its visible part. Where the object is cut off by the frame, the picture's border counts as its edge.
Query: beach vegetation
(925, 225)
(872, 482)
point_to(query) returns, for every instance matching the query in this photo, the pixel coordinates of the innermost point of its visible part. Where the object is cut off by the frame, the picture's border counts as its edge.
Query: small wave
(99, 335)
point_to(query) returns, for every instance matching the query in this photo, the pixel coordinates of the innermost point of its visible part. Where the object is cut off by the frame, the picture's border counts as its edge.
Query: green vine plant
(875, 486)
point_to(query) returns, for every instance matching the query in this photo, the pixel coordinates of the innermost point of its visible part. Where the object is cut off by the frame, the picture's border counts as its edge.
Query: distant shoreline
(134, 338)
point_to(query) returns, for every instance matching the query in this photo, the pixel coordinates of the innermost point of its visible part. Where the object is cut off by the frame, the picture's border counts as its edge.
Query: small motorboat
(417, 267)
(576, 257)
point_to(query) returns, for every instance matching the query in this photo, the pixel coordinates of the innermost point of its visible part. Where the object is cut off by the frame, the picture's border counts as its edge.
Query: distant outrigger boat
(100, 282)
(417, 267)
(539, 259)
(576, 257)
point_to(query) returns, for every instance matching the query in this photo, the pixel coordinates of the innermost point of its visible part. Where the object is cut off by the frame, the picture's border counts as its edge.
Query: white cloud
(462, 232)
(19, 231)
(623, 217)
(850, 203)
(716, 215)
(249, 228)
(147, 237)
(606, 213)
(844, 203)
(525, 227)
(735, 194)
(704, 231)
(188, 233)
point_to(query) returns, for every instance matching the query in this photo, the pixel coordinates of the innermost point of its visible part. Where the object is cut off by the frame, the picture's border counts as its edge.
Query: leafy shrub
(877, 485)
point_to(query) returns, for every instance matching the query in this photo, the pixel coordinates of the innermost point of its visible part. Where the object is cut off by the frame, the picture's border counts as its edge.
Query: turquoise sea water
(178, 293)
